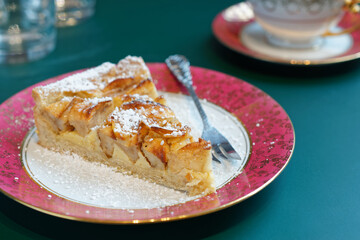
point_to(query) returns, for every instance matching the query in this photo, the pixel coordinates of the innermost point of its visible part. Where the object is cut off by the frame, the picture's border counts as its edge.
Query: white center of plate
(253, 37)
(73, 178)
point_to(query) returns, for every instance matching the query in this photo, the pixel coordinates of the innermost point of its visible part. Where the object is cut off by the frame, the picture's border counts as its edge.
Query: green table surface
(317, 196)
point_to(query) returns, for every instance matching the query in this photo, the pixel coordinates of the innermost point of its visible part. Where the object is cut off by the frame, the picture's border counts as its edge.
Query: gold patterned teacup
(301, 23)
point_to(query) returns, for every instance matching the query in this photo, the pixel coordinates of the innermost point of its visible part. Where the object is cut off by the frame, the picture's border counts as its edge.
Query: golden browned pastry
(112, 114)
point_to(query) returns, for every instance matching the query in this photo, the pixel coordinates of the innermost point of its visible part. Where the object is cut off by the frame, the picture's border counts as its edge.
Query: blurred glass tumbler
(27, 30)
(72, 12)
(301, 23)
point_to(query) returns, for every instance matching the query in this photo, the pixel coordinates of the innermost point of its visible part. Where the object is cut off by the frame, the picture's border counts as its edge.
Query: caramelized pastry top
(95, 82)
(127, 118)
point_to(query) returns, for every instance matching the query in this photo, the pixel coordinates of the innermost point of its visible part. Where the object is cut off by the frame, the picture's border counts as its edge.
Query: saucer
(236, 29)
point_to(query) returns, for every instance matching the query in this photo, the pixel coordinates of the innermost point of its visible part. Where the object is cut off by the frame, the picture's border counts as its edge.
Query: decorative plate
(263, 135)
(236, 29)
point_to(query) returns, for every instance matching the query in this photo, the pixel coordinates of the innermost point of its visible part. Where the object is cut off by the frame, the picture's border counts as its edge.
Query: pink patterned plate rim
(227, 33)
(269, 127)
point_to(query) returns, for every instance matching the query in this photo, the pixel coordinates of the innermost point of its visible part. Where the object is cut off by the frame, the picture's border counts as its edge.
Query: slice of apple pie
(112, 114)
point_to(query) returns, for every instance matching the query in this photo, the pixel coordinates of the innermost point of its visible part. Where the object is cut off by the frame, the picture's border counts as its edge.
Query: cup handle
(353, 7)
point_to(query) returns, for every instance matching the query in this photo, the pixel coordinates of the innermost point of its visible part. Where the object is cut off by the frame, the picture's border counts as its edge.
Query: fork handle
(180, 67)
(198, 105)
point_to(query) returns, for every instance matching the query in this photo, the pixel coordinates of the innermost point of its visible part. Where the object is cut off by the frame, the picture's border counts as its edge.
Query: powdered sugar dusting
(100, 185)
(81, 81)
(140, 97)
(126, 120)
(67, 99)
(133, 66)
(92, 102)
(95, 101)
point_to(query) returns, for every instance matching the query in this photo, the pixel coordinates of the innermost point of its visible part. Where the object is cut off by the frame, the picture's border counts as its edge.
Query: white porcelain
(253, 37)
(297, 23)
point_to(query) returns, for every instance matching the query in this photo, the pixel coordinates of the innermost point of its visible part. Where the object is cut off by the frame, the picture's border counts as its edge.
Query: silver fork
(221, 148)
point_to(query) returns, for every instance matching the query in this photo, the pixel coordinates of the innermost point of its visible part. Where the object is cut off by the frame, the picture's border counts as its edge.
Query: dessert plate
(236, 29)
(253, 121)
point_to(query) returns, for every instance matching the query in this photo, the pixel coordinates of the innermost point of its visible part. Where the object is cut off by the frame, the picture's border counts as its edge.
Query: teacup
(300, 23)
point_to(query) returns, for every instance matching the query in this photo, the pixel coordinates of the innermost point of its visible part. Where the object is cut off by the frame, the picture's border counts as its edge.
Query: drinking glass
(72, 12)
(27, 30)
